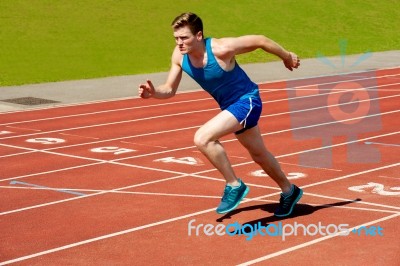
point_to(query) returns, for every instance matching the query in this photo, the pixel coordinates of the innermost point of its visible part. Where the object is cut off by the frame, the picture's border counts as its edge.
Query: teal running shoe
(232, 197)
(286, 204)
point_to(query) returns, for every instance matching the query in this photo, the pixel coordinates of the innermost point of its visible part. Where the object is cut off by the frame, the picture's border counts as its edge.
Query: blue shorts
(247, 110)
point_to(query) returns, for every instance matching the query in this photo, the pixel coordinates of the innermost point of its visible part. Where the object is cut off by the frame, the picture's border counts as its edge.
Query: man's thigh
(220, 125)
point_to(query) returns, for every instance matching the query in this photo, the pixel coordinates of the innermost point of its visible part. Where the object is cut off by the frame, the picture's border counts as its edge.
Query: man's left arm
(249, 43)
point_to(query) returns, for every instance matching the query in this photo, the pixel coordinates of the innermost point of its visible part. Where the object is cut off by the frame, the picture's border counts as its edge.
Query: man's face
(185, 40)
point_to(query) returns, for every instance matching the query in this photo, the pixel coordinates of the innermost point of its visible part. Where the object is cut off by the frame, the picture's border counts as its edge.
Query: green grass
(54, 40)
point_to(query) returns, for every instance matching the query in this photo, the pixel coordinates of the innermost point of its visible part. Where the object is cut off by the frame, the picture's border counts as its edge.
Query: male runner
(211, 62)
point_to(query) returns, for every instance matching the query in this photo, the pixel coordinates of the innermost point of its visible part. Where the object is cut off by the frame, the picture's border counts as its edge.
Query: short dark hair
(188, 19)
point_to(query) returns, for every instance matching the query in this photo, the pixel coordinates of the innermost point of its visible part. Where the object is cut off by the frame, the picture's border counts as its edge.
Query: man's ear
(199, 35)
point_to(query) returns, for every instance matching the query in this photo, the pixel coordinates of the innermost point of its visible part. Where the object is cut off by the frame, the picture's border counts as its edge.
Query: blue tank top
(226, 87)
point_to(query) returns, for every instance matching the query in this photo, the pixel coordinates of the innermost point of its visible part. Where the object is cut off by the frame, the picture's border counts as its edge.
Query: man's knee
(258, 158)
(260, 155)
(201, 140)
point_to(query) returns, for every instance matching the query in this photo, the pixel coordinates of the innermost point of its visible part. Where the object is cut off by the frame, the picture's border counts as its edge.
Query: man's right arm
(169, 88)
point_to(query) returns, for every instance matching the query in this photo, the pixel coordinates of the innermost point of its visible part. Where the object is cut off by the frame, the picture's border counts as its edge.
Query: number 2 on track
(377, 189)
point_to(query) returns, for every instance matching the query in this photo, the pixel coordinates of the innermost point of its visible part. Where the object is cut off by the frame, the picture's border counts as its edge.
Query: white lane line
(49, 251)
(104, 191)
(165, 116)
(179, 102)
(359, 201)
(173, 130)
(89, 195)
(180, 129)
(315, 241)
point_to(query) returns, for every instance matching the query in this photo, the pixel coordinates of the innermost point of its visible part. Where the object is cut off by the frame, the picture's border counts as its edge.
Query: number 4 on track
(46, 141)
(182, 160)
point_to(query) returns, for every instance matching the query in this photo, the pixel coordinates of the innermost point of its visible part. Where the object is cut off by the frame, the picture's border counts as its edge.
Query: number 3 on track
(114, 150)
(292, 175)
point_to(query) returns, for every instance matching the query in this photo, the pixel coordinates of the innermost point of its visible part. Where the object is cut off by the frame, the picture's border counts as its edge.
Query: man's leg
(252, 140)
(206, 139)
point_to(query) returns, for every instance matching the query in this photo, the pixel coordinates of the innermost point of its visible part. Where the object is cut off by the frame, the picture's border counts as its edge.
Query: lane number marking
(112, 149)
(182, 160)
(376, 189)
(46, 141)
(292, 175)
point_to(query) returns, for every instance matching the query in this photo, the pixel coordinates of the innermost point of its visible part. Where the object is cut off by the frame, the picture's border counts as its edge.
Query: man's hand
(146, 90)
(291, 61)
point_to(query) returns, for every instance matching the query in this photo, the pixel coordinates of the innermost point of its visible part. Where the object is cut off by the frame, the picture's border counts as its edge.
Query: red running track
(120, 182)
